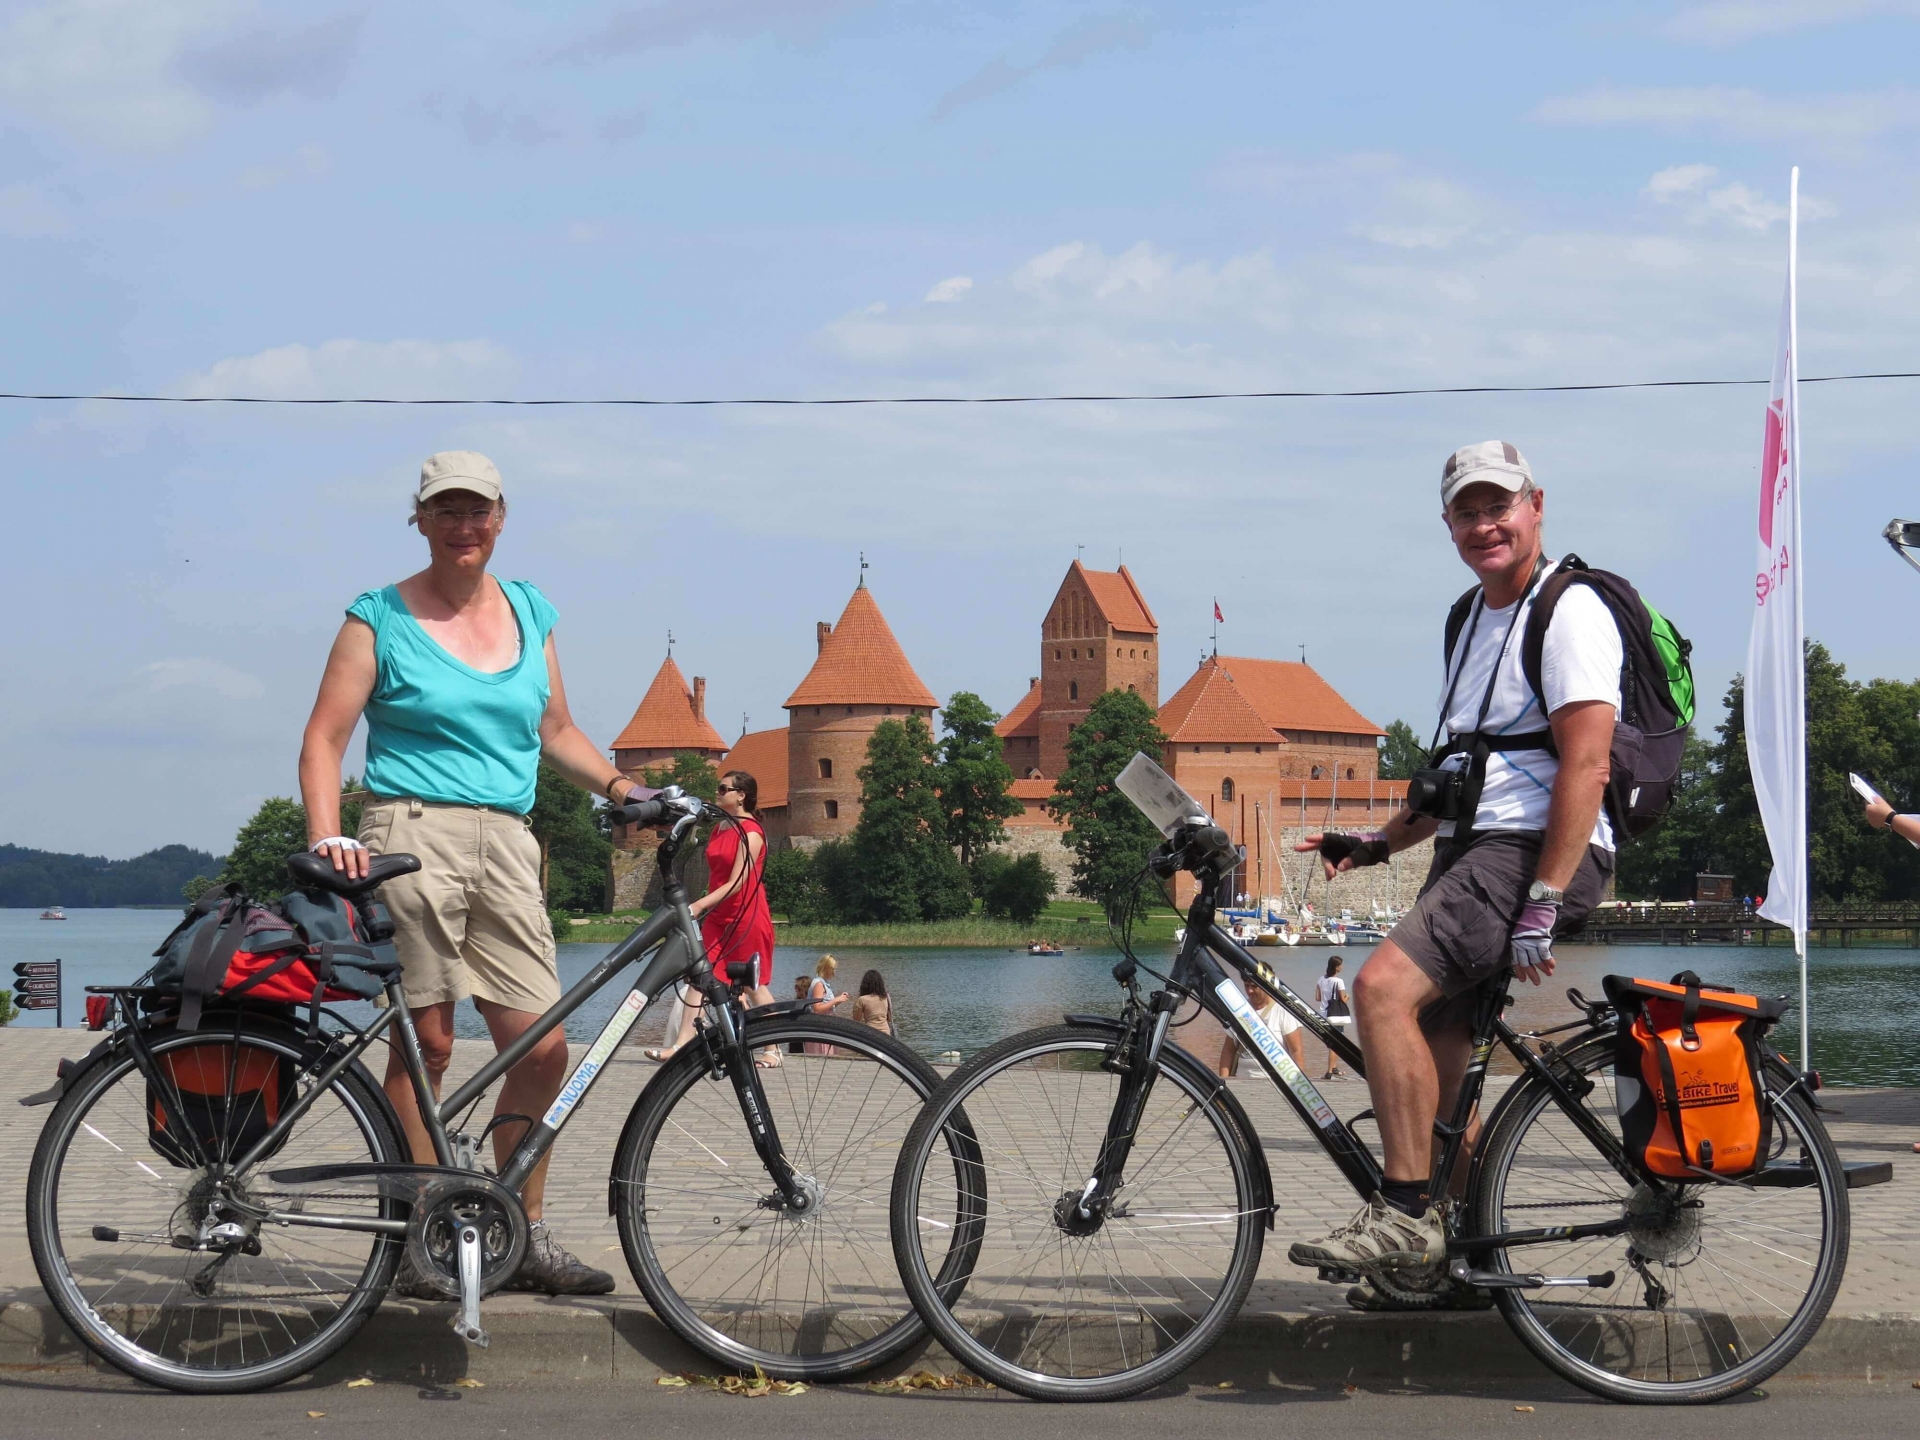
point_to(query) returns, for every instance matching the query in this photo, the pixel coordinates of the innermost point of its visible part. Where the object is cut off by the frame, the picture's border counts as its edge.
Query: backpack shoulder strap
(207, 962)
(1533, 641)
(1457, 621)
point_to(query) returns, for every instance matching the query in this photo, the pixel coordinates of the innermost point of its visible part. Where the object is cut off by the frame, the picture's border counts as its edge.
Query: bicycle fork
(727, 1052)
(1137, 1061)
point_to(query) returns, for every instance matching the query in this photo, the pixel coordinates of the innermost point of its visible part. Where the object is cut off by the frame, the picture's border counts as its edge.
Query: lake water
(1866, 1003)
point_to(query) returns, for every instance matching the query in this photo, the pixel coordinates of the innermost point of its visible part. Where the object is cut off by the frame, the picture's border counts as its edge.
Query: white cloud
(338, 369)
(306, 163)
(949, 290)
(1678, 180)
(1089, 36)
(106, 70)
(1728, 22)
(1732, 202)
(28, 212)
(1847, 119)
(206, 676)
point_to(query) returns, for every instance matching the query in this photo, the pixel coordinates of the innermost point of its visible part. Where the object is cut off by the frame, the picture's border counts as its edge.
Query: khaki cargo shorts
(472, 921)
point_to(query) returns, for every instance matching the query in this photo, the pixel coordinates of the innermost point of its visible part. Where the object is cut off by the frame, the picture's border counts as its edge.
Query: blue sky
(823, 197)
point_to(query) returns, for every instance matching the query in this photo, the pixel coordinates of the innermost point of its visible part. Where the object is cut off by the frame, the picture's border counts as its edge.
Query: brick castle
(1268, 746)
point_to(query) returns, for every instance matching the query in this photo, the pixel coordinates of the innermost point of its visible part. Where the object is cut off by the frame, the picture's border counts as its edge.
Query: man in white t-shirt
(1533, 856)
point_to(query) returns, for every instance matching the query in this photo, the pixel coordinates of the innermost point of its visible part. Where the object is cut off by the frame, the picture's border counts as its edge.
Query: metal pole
(59, 994)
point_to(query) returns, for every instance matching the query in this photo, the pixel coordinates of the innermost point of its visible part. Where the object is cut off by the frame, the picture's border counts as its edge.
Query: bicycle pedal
(1339, 1277)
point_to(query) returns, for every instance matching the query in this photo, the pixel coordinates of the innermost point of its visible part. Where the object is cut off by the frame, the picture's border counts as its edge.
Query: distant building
(670, 719)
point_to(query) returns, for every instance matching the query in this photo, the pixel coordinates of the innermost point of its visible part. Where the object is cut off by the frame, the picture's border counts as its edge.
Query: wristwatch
(1542, 891)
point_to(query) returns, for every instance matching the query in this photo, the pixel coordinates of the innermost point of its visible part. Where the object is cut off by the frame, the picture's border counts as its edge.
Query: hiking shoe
(1447, 1294)
(551, 1269)
(410, 1283)
(1378, 1236)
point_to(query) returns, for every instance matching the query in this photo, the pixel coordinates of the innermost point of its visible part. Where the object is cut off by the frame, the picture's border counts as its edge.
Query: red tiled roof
(1210, 708)
(763, 755)
(860, 663)
(1119, 599)
(1031, 789)
(1024, 718)
(1293, 696)
(665, 719)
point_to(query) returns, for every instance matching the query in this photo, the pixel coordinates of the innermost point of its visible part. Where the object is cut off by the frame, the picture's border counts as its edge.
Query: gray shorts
(1458, 930)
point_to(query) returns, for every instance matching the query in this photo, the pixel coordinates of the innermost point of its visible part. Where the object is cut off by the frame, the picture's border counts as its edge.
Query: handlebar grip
(650, 811)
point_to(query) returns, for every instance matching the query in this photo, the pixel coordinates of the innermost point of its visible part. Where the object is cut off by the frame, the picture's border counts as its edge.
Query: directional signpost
(38, 988)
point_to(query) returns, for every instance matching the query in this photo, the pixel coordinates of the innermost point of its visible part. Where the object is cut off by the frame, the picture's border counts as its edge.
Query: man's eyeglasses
(449, 516)
(1467, 517)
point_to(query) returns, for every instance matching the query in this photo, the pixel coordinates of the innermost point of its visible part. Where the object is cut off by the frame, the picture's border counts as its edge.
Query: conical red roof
(1210, 708)
(860, 663)
(666, 719)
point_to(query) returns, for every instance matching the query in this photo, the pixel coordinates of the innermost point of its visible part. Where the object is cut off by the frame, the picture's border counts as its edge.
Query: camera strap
(1476, 743)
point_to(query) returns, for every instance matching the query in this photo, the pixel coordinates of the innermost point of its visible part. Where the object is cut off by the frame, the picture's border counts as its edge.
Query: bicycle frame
(1204, 972)
(677, 951)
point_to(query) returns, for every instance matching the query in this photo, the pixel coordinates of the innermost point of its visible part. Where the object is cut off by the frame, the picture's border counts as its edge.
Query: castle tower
(860, 677)
(671, 718)
(1098, 636)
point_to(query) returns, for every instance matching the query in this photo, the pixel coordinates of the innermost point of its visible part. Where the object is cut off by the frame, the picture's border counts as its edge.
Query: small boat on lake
(53, 912)
(1045, 947)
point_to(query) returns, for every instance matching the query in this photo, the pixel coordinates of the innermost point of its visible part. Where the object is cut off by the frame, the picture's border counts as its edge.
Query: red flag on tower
(1217, 616)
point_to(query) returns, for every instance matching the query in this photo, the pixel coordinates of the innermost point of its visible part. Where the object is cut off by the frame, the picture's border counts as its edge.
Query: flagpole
(1799, 609)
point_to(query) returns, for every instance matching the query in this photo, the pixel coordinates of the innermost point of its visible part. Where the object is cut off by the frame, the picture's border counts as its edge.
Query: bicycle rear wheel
(121, 1198)
(729, 1268)
(1713, 1291)
(1014, 1284)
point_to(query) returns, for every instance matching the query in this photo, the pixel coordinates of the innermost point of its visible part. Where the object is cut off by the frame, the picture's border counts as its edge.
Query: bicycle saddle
(316, 872)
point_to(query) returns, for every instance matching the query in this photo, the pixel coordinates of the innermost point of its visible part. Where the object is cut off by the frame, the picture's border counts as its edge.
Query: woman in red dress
(734, 917)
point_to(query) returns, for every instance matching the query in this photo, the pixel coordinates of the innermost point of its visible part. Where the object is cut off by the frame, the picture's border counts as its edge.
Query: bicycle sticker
(624, 1015)
(1269, 1044)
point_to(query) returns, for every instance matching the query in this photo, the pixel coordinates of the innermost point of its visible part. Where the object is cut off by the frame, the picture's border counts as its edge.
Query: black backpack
(1656, 690)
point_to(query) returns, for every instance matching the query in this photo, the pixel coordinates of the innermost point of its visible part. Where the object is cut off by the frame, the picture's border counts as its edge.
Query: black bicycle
(1115, 1219)
(221, 1208)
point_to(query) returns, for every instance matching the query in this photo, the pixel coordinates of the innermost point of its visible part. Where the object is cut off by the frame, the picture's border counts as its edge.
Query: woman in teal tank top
(458, 678)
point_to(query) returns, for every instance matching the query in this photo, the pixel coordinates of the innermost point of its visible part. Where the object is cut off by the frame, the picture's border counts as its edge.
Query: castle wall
(838, 735)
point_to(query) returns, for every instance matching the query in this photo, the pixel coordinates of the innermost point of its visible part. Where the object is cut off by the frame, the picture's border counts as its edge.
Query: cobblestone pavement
(1867, 1125)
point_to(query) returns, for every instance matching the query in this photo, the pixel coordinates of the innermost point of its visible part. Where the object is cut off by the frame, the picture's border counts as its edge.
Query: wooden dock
(1723, 923)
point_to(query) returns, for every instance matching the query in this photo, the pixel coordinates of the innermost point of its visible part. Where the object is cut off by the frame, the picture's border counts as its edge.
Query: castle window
(833, 809)
(1316, 773)
(889, 709)
(1147, 653)
(1075, 654)
(1226, 790)
(1256, 749)
(1349, 772)
(849, 709)
(1056, 653)
(1130, 689)
(1229, 750)
(1196, 749)
(1130, 655)
(826, 768)
(1073, 690)
(1116, 653)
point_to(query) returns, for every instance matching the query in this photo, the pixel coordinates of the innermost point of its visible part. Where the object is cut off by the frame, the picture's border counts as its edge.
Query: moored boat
(53, 912)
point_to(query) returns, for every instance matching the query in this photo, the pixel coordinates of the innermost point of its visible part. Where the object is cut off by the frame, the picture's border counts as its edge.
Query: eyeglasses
(447, 516)
(1498, 512)
(726, 788)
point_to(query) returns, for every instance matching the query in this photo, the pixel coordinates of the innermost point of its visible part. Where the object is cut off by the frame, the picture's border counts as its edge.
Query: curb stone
(577, 1340)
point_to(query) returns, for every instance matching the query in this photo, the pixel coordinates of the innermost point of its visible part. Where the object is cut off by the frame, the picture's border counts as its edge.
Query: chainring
(443, 1208)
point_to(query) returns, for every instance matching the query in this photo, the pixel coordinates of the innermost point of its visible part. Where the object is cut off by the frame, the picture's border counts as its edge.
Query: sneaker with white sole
(1378, 1235)
(552, 1269)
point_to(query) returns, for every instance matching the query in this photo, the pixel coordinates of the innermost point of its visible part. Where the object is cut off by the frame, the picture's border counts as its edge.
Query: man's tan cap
(1491, 462)
(458, 470)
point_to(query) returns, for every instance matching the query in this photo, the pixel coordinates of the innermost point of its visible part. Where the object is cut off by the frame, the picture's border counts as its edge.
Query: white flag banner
(1776, 682)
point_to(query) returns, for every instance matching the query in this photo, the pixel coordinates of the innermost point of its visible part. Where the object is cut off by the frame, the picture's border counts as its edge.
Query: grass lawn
(1077, 923)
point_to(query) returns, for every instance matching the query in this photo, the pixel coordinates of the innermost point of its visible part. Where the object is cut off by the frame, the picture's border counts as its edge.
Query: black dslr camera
(1439, 793)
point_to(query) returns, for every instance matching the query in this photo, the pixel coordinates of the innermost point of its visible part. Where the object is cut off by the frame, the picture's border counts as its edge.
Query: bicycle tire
(818, 1307)
(169, 1333)
(1111, 1338)
(1706, 1344)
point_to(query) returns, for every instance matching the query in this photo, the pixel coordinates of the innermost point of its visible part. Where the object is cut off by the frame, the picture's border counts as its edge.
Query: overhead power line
(971, 399)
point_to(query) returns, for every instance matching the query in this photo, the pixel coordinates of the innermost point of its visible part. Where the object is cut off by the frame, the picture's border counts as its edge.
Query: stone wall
(1050, 845)
(1395, 884)
(633, 875)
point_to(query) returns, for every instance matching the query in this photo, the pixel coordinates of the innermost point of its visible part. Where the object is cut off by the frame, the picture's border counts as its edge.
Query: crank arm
(467, 1324)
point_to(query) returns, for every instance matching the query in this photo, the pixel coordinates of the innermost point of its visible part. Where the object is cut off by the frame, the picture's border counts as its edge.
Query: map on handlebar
(1156, 796)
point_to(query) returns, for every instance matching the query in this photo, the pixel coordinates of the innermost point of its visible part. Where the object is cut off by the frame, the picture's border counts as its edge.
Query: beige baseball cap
(1491, 462)
(458, 470)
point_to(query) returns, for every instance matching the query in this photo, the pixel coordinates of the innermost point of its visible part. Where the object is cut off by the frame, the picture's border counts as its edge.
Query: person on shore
(874, 1006)
(1275, 1019)
(1330, 993)
(1531, 858)
(820, 992)
(734, 917)
(458, 678)
(1881, 816)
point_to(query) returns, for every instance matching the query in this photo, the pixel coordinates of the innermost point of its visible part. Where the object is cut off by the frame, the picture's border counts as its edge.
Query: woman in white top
(821, 993)
(1335, 1007)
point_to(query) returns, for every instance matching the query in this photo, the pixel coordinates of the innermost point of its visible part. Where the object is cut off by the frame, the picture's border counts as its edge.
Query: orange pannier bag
(1687, 1076)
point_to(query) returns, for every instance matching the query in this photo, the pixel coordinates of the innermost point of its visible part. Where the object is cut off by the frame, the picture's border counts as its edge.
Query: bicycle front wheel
(151, 1251)
(725, 1263)
(1022, 1289)
(1715, 1286)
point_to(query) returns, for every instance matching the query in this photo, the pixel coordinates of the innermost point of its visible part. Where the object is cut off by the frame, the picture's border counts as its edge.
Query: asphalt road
(68, 1403)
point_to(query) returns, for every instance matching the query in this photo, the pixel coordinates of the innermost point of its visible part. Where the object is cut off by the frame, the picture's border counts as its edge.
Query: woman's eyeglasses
(726, 788)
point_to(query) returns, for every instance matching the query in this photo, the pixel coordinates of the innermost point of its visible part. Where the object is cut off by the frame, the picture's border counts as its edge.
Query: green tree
(693, 773)
(573, 852)
(793, 890)
(1401, 752)
(1661, 864)
(258, 861)
(973, 777)
(9, 1012)
(1018, 890)
(1109, 838)
(904, 868)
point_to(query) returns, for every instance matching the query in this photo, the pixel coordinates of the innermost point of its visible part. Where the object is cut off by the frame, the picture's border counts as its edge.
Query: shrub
(1019, 890)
